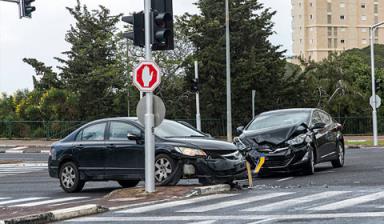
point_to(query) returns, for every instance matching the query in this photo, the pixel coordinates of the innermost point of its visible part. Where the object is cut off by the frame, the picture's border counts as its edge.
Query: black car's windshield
(273, 120)
(172, 129)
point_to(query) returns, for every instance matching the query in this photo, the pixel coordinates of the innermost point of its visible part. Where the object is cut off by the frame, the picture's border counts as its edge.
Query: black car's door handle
(79, 147)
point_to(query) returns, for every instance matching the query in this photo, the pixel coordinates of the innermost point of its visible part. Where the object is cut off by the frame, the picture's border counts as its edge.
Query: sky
(42, 37)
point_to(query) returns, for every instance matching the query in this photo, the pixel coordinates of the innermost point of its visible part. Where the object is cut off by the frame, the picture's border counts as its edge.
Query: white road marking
(224, 218)
(174, 203)
(349, 202)
(203, 222)
(20, 200)
(294, 201)
(51, 201)
(284, 179)
(4, 198)
(230, 203)
(263, 221)
(45, 151)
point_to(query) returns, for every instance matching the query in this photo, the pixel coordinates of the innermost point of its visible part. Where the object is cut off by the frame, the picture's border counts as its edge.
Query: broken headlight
(298, 140)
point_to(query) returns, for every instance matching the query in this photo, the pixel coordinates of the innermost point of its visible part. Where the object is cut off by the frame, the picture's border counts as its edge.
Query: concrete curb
(57, 215)
(213, 189)
(30, 151)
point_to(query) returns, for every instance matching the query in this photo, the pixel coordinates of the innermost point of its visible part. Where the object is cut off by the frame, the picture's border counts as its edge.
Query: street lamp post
(372, 30)
(228, 56)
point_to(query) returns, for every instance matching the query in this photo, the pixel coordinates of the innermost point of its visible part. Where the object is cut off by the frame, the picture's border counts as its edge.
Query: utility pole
(228, 56)
(198, 118)
(253, 103)
(372, 30)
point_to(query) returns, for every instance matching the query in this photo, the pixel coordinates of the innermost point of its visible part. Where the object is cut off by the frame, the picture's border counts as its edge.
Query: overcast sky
(42, 37)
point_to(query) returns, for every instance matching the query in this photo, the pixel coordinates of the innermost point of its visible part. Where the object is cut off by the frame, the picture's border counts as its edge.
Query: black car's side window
(94, 132)
(119, 131)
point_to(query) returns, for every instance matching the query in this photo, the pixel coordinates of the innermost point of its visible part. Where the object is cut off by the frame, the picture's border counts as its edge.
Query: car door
(90, 150)
(125, 158)
(320, 136)
(330, 135)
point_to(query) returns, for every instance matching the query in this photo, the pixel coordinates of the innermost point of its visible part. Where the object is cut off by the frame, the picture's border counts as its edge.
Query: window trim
(108, 134)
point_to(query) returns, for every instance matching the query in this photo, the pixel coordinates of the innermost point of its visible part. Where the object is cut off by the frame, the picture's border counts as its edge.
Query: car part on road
(70, 178)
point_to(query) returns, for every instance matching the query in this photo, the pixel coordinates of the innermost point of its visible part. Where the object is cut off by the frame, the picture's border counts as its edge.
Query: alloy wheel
(68, 177)
(163, 169)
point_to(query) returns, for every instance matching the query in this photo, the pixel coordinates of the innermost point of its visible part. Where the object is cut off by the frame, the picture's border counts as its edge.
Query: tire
(339, 162)
(69, 178)
(167, 171)
(309, 167)
(128, 183)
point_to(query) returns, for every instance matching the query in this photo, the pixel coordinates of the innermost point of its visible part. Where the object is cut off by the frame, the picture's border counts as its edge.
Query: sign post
(147, 77)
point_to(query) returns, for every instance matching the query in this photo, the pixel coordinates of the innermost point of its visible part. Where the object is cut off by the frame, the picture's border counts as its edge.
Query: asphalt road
(352, 194)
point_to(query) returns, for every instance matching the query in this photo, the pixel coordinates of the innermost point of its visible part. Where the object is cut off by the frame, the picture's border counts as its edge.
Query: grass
(363, 142)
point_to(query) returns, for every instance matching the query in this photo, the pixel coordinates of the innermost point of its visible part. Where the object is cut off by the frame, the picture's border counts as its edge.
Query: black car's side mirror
(240, 130)
(134, 137)
(318, 126)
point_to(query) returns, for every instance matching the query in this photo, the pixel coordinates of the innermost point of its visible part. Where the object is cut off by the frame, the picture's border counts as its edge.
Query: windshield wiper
(189, 136)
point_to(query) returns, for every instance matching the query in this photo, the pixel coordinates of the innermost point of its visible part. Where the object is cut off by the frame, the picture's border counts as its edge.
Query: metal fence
(215, 127)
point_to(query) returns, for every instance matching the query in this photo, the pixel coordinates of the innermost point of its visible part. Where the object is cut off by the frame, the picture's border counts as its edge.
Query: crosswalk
(37, 201)
(21, 168)
(254, 207)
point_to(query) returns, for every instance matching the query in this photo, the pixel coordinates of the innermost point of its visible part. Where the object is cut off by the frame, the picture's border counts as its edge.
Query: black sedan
(294, 139)
(113, 149)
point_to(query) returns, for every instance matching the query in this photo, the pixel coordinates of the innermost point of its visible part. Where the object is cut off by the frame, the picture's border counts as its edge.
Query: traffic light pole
(198, 117)
(374, 111)
(149, 117)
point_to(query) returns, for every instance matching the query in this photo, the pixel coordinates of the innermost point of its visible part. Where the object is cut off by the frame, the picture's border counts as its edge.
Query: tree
(93, 69)
(256, 63)
(45, 78)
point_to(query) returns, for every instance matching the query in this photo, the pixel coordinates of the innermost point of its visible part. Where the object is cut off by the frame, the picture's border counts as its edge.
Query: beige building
(324, 26)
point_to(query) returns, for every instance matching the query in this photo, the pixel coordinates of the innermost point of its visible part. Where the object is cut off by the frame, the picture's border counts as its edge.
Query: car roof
(290, 110)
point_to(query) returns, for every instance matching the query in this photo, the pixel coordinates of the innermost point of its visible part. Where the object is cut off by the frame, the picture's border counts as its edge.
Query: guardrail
(215, 127)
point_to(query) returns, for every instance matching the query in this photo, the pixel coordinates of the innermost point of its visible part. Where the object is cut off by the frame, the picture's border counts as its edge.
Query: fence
(215, 127)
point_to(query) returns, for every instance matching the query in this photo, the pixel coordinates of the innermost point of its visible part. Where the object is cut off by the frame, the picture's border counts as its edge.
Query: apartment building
(320, 27)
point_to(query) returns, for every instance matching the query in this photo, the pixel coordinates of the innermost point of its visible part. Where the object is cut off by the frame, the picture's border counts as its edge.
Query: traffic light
(27, 8)
(138, 33)
(162, 25)
(195, 85)
(379, 85)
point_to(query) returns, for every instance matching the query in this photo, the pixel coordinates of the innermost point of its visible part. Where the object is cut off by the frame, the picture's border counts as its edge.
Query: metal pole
(253, 103)
(149, 117)
(374, 113)
(129, 81)
(228, 55)
(198, 118)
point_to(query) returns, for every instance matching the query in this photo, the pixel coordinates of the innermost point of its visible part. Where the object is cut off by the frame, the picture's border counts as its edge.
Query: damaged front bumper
(229, 167)
(291, 159)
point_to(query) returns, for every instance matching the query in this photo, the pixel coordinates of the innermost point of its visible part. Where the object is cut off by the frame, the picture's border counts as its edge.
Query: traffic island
(4, 162)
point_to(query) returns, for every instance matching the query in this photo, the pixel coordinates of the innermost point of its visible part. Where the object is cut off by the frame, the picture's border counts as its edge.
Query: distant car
(113, 149)
(294, 139)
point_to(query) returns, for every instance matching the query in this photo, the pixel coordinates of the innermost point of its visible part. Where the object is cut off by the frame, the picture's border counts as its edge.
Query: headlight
(190, 151)
(298, 140)
(239, 144)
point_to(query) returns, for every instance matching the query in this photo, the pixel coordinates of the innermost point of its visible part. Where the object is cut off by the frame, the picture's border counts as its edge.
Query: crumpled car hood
(274, 136)
(206, 143)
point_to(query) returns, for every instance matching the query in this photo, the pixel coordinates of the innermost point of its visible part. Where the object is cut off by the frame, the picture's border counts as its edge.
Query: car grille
(218, 152)
(277, 161)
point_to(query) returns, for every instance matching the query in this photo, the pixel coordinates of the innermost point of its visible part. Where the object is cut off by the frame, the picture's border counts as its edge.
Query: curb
(213, 189)
(57, 215)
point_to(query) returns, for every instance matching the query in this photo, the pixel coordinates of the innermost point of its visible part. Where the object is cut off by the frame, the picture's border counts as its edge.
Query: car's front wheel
(166, 170)
(339, 162)
(309, 167)
(69, 178)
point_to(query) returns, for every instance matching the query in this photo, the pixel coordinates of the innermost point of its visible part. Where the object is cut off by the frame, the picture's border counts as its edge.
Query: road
(351, 194)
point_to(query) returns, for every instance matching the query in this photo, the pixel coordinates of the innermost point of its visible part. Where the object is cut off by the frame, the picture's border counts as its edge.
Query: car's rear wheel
(339, 162)
(166, 170)
(69, 178)
(309, 167)
(128, 183)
